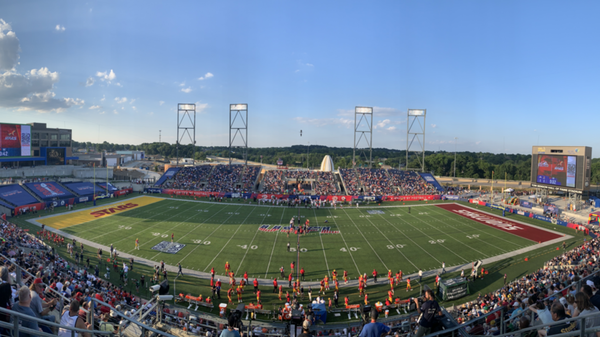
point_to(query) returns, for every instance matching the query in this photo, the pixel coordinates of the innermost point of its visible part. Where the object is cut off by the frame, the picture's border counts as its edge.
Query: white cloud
(478, 142)
(94, 107)
(118, 84)
(206, 76)
(186, 90)
(89, 82)
(131, 102)
(161, 102)
(384, 111)
(381, 124)
(105, 76)
(151, 113)
(391, 128)
(103, 112)
(134, 108)
(345, 122)
(434, 126)
(103, 98)
(59, 28)
(182, 84)
(33, 91)
(309, 65)
(200, 107)
(120, 100)
(9, 47)
(115, 112)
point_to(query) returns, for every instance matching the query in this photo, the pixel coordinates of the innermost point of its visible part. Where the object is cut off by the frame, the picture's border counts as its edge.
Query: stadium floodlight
(238, 107)
(186, 106)
(363, 110)
(416, 112)
(416, 133)
(238, 123)
(364, 128)
(186, 122)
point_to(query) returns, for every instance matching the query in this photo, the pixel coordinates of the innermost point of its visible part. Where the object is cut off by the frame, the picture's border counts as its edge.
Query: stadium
(186, 237)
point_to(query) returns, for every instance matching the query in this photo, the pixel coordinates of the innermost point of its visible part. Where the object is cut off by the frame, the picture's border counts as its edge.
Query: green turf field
(218, 232)
(371, 237)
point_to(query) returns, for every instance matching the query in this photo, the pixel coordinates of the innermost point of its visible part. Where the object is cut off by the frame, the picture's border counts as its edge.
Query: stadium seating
(49, 190)
(83, 188)
(16, 195)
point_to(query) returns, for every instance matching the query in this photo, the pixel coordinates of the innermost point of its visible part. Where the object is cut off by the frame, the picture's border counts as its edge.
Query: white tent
(509, 190)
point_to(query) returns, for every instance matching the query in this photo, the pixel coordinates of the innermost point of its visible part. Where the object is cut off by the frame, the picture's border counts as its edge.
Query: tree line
(468, 164)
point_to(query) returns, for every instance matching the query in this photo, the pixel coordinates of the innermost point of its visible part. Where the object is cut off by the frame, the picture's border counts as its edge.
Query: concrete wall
(88, 172)
(38, 171)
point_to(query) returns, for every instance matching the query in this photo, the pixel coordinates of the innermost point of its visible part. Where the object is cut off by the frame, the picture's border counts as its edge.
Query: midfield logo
(285, 229)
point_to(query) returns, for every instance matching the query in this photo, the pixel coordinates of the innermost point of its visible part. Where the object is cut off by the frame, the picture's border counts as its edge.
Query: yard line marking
(323, 246)
(423, 249)
(390, 241)
(211, 233)
(448, 249)
(443, 211)
(361, 233)
(274, 243)
(345, 243)
(450, 236)
(193, 216)
(144, 219)
(250, 245)
(225, 245)
(114, 220)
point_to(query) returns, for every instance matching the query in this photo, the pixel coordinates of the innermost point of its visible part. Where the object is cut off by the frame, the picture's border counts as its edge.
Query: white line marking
(274, 243)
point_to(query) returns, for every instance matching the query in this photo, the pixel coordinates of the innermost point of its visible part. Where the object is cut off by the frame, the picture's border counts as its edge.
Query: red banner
(410, 197)
(578, 227)
(123, 192)
(31, 207)
(188, 193)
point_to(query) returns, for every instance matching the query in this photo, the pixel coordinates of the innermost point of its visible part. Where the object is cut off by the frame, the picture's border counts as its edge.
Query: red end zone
(524, 231)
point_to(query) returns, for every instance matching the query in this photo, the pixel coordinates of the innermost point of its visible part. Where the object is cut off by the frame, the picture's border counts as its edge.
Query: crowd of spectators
(533, 299)
(189, 178)
(299, 181)
(411, 183)
(224, 178)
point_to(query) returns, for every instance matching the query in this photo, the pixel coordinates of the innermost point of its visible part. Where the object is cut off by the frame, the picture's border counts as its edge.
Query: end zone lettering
(112, 210)
(489, 220)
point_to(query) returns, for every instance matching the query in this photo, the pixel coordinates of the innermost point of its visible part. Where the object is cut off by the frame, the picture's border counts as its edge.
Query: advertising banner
(31, 207)
(153, 190)
(48, 190)
(543, 218)
(450, 197)
(15, 140)
(123, 191)
(526, 204)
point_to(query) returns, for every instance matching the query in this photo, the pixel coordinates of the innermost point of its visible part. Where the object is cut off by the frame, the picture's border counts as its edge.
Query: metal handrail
(130, 319)
(16, 327)
(581, 330)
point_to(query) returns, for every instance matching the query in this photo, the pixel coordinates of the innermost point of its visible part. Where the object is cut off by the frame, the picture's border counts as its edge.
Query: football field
(254, 238)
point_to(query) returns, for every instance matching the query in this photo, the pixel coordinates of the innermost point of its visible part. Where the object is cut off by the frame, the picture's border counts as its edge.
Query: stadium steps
(68, 189)
(430, 179)
(30, 192)
(340, 180)
(165, 175)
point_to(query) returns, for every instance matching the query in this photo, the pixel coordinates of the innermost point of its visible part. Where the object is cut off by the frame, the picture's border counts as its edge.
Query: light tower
(238, 123)
(415, 133)
(363, 126)
(185, 125)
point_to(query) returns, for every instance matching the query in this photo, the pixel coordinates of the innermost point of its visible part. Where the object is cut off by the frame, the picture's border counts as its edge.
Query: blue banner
(526, 204)
(562, 223)
(153, 190)
(543, 218)
(450, 197)
(502, 208)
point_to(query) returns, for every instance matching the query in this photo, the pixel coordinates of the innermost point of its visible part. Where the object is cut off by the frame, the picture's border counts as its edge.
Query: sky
(493, 76)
